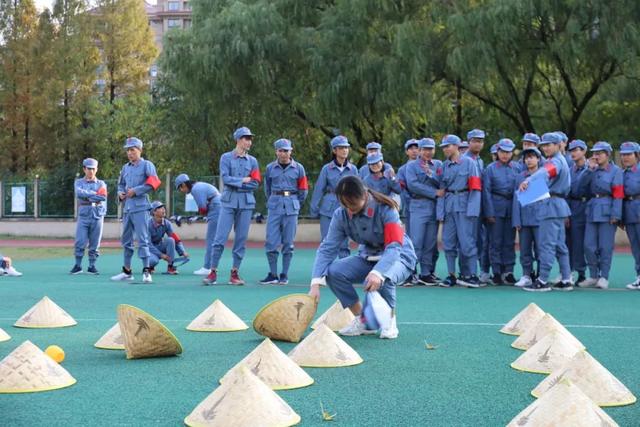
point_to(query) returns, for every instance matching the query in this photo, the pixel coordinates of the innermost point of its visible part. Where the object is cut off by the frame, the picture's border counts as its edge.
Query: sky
(41, 4)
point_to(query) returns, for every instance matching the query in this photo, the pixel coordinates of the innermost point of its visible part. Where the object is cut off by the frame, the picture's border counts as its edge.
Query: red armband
(203, 211)
(175, 237)
(617, 191)
(102, 191)
(255, 175)
(474, 183)
(393, 232)
(303, 184)
(551, 169)
(154, 182)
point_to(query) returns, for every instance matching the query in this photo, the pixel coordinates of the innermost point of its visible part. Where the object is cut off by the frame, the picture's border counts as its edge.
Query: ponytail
(352, 188)
(383, 199)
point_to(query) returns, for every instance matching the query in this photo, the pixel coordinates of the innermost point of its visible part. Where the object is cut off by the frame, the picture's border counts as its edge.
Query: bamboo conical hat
(322, 348)
(534, 334)
(4, 336)
(528, 317)
(548, 354)
(242, 400)
(144, 335)
(286, 318)
(565, 405)
(335, 317)
(112, 339)
(584, 371)
(45, 314)
(217, 318)
(28, 369)
(273, 367)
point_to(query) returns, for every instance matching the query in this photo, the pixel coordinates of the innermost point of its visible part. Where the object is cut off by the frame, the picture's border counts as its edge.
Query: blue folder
(537, 190)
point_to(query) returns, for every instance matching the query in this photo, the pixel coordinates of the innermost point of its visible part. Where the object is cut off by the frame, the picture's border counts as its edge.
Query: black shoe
(537, 286)
(92, 270)
(410, 282)
(509, 279)
(283, 280)
(581, 278)
(449, 282)
(271, 279)
(470, 281)
(496, 279)
(563, 286)
(76, 270)
(429, 280)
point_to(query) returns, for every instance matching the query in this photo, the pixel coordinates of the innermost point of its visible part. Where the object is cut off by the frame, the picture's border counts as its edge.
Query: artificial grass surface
(465, 381)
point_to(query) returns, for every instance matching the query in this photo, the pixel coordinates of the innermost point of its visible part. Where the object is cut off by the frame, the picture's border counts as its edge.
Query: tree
(18, 22)
(126, 45)
(520, 57)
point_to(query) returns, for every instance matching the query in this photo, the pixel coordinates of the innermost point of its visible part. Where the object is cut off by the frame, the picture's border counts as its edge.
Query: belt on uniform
(89, 204)
(458, 191)
(601, 195)
(283, 193)
(631, 198)
(562, 196)
(506, 196)
(579, 199)
(414, 196)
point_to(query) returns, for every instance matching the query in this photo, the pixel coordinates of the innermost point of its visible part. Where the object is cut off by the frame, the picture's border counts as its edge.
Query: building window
(187, 23)
(173, 23)
(173, 6)
(187, 6)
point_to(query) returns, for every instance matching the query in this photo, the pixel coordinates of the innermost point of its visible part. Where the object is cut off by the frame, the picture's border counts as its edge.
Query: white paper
(190, 203)
(18, 199)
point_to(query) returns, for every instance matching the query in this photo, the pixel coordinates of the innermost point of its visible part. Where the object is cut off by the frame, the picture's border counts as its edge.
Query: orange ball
(55, 352)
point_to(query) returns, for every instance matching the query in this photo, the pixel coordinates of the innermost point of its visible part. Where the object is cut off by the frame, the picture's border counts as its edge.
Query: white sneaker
(146, 277)
(202, 271)
(635, 286)
(121, 277)
(524, 281)
(12, 272)
(588, 283)
(391, 332)
(602, 283)
(558, 279)
(485, 277)
(355, 328)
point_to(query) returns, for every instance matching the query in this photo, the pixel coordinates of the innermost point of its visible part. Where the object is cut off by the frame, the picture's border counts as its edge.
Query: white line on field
(632, 327)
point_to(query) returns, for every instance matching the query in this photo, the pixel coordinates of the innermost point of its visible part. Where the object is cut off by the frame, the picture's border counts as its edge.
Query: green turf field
(465, 381)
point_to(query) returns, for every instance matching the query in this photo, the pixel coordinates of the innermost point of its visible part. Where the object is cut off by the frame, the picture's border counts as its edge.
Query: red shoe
(172, 270)
(235, 279)
(212, 278)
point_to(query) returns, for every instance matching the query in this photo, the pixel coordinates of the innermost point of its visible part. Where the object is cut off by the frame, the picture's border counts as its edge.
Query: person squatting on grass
(163, 247)
(385, 258)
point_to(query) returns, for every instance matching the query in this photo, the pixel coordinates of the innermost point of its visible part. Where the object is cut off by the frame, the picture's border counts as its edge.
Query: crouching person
(385, 257)
(163, 247)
